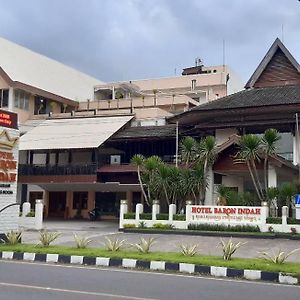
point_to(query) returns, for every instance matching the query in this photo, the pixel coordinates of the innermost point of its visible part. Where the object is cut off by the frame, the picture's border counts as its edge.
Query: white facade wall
(234, 181)
(222, 135)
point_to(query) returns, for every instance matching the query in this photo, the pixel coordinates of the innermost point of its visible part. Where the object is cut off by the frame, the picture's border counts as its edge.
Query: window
(80, 200)
(22, 100)
(193, 86)
(4, 98)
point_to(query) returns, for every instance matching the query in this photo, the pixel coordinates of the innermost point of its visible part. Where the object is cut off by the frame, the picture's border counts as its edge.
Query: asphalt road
(31, 281)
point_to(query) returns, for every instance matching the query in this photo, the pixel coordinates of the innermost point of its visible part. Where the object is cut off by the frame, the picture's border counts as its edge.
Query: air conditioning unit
(115, 159)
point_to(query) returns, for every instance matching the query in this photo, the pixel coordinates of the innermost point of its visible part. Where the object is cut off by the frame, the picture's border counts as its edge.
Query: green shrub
(146, 216)
(142, 224)
(12, 237)
(229, 248)
(273, 220)
(113, 245)
(278, 257)
(46, 237)
(188, 250)
(293, 221)
(179, 217)
(163, 226)
(81, 241)
(129, 216)
(162, 217)
(278, 220)
(31, 214)
(229, 228)
(144, 245)
(129, 225)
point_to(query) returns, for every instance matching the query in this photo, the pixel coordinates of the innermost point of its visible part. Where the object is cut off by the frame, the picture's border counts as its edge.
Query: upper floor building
(32, 84)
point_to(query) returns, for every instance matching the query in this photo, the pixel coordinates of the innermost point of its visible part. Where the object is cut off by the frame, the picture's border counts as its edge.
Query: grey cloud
(129, 39)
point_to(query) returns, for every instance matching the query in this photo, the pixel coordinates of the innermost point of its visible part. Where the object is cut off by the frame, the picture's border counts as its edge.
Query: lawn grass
(237, 263)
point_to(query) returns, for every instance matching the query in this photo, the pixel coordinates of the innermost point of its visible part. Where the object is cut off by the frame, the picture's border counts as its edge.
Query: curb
(152, 265)
(210, 233)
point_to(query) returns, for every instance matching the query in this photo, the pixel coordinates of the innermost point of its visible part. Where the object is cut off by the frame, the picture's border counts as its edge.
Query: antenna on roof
(282, 32)
(198, 62)
(223, 55)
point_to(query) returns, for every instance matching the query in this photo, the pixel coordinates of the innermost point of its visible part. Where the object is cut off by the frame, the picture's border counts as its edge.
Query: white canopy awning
(72, 133)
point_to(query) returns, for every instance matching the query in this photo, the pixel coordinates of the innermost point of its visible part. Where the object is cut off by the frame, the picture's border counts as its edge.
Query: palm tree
(269, 141)
(250, 153)
(188, 149)
(163, 180)
(208, 154)
(151, 165)
(138, 160)
(199, 182)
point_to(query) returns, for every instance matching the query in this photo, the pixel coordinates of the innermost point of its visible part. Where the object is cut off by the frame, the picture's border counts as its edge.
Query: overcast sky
(133, 39)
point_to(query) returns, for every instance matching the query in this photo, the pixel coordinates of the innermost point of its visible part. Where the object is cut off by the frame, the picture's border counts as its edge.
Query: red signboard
(8, 119)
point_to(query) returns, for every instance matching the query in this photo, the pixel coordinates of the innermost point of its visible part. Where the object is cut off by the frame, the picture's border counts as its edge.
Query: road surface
(33, 281)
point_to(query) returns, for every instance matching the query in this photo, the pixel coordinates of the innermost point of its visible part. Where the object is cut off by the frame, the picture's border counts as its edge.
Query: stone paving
(206, 244)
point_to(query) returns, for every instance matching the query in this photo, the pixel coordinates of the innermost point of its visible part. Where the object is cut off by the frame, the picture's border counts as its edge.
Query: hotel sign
(8, 119)
(9, 148)
(227, 214)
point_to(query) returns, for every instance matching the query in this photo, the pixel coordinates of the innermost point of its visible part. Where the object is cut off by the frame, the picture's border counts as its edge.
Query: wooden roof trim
(267, 58)
(276, 160)
(5, 76)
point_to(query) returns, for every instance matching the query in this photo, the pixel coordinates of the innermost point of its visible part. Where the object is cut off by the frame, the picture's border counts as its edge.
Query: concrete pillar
(10, 99)
(209, 199)
(188, 211)
(155, 209)
(265, 211)
(272, 176)
(123, 210)
(172, 211)
(25, 209)
(39, 207)
(138, 210)
(113, 93)
(285, 212)
(296, 146)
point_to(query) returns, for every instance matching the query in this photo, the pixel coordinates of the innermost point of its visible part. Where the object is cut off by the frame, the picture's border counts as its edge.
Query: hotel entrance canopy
(72, 133)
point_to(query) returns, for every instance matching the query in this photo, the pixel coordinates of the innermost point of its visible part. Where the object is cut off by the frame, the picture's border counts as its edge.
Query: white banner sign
(228, 214)
(9, 147)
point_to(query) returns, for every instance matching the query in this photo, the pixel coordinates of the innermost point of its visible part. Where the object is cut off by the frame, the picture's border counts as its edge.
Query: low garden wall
(201, 217)
(31, 219)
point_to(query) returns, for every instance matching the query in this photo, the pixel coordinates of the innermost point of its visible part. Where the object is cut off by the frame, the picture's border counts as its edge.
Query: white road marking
(86, 293)
(150, 272)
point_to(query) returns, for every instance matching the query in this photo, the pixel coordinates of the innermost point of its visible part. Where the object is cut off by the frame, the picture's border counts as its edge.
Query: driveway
(206, 244)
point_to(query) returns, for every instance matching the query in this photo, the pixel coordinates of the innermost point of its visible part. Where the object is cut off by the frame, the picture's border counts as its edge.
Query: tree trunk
(266, 175)
(257, 178)
(142, 186)
(253, 180)
(166, 194)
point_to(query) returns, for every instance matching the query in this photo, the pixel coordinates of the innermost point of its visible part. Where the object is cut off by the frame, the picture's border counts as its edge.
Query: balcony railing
(68, 169)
